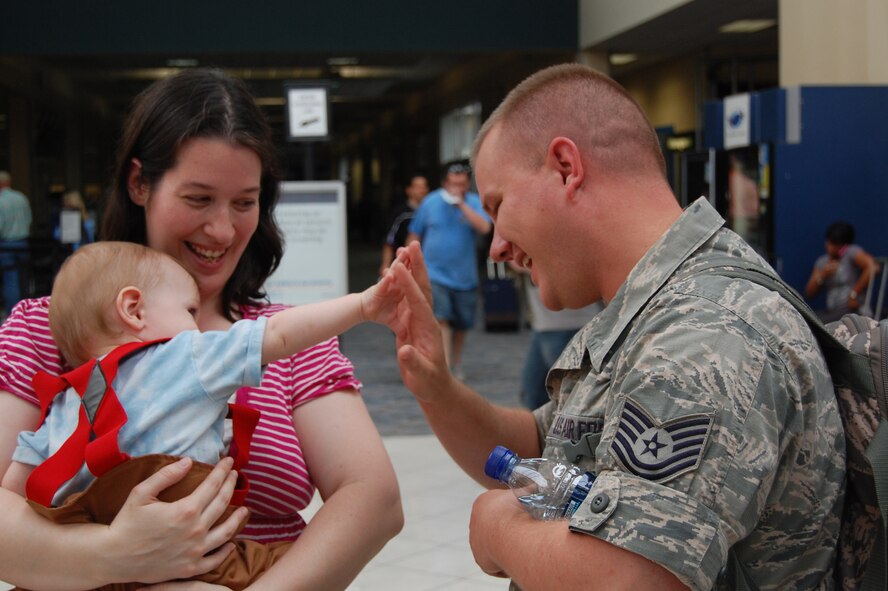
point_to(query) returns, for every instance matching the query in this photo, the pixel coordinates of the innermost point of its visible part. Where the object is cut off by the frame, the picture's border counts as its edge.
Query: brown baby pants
(104, 497)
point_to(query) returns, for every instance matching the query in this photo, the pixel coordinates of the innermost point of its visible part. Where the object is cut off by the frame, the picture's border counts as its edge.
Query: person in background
(551, 331)
(701, 402)
(15, 228)
(399, 220)
(72, 201)
(196, 178)
(844, 272)
(447, 225)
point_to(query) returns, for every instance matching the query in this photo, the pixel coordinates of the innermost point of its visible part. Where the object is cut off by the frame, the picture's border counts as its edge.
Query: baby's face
(171, 306)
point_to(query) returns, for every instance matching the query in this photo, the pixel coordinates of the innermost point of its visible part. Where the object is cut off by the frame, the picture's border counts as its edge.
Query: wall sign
(736, 125)
(314, 267)
(307, 113)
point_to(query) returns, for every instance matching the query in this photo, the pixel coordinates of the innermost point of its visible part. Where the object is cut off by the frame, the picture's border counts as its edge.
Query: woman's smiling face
(205, 209)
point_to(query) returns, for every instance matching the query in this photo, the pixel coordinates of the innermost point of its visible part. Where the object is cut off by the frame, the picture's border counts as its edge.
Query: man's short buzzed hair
(584, 105)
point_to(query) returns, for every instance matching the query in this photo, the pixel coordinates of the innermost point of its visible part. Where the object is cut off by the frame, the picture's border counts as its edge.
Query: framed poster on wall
(311, 215)
(307, 113)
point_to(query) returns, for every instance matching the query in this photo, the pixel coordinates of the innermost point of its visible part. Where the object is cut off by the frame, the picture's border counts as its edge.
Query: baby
(133, 396)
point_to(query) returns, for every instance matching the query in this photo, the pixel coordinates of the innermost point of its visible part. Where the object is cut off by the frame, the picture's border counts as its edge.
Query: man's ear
(129, 308)
(138, 189)
(564, 157)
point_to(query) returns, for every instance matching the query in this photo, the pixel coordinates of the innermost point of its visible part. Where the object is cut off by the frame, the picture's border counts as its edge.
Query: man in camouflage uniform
(701, 402)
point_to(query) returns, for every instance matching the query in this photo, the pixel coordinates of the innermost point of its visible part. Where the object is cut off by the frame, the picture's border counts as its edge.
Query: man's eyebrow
(486, 197)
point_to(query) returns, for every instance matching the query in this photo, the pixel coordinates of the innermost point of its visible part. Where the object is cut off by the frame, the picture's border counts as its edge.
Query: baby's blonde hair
(82, 311)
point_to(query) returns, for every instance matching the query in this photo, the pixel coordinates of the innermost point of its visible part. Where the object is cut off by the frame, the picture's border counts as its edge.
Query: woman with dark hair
(844, 272)
(196, 179)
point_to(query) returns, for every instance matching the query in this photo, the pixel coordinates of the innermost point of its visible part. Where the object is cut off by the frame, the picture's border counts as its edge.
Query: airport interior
(405, 87)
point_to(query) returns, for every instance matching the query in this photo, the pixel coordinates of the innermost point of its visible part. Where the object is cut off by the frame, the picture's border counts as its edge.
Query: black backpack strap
(877, 565)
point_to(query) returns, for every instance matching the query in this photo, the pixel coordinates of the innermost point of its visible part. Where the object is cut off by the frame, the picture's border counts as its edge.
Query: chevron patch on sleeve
(659, 452)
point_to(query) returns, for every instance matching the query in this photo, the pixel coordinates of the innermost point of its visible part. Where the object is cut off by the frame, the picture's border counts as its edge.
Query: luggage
(502, 307)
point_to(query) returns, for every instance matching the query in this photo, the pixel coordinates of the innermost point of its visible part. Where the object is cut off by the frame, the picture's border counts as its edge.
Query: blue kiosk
(787, 162)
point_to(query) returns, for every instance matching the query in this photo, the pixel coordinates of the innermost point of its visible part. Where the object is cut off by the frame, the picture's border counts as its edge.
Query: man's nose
(500, 250)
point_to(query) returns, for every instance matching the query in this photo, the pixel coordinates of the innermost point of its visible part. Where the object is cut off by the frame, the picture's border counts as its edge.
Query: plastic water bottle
(545, 488)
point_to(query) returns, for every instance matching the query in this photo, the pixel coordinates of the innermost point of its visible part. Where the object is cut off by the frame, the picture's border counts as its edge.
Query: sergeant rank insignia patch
(659, 452)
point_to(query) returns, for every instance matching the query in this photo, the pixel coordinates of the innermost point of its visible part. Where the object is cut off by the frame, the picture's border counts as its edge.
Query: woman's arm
(812, 287)
(868, 267)
(362, 503)
(16, 477)
(300, 327)
(148, 541)
(818, 276)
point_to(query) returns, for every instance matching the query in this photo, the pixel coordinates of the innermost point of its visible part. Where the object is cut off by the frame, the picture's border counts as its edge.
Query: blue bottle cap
(497, 465)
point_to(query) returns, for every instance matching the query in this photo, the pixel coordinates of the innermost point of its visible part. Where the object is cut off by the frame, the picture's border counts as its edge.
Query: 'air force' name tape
(659, 452)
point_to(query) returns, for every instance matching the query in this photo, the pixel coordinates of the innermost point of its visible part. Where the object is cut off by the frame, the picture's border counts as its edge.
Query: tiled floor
(432, 551)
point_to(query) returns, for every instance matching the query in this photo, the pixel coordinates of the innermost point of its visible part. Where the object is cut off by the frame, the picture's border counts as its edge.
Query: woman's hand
(153, 541)
(828, 270)
(819, 276)
(853, 301)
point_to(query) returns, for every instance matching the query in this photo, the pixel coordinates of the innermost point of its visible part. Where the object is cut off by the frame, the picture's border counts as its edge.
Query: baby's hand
(379, 302)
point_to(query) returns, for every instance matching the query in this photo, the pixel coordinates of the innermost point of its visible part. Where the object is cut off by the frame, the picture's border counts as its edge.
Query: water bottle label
(580, 492)
(570, 508)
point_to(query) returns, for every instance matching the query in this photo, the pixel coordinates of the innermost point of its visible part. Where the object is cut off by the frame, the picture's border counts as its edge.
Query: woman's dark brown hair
(198, 103)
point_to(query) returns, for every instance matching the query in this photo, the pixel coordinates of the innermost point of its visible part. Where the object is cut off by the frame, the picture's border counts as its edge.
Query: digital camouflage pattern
(705, 407)
(862, 415)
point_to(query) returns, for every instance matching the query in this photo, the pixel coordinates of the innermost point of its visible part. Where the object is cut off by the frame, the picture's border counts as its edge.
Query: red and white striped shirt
(280, 485)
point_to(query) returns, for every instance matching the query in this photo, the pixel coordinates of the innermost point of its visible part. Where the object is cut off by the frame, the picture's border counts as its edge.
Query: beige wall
(821, 42)
(833, 42)
(666, 93)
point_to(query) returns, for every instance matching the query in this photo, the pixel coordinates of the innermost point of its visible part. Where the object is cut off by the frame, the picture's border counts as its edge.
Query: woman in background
(844, 272)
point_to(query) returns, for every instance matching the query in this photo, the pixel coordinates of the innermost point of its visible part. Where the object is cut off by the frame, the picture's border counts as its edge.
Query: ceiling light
(621, 59)
(748, 25)
(342, 61)
(369, 71)
(679, 143)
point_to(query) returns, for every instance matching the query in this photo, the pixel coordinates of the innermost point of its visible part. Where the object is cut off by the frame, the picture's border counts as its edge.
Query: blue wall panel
(772, 115)
(839, 171)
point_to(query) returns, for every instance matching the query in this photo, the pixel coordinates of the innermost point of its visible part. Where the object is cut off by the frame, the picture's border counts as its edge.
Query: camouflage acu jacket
(705, 407)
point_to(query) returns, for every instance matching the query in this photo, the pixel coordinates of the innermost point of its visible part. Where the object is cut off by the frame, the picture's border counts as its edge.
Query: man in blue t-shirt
(447, 225)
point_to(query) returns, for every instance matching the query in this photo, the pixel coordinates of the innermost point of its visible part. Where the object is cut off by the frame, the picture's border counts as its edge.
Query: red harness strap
(243, 422)
(96, 442)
